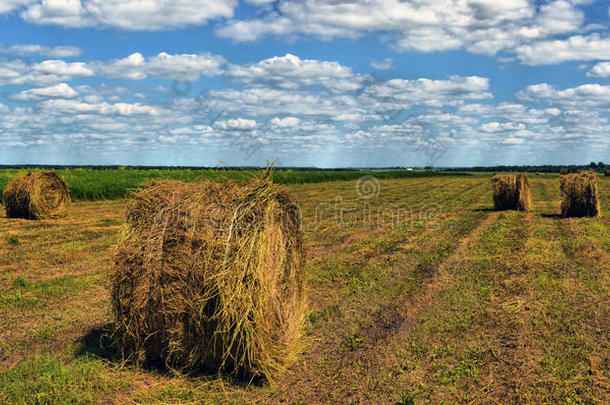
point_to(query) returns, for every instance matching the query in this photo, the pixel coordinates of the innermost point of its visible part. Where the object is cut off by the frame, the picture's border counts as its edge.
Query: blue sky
(327, 83)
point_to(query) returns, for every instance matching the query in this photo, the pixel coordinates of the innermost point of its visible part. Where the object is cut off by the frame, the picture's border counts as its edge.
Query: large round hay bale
(210, 276)
(579, 195)
(511, 192)
(40, 195)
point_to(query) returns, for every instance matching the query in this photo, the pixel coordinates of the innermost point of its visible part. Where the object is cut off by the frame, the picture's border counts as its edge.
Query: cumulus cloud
(62, 68)
(480, 26)
(287, 122)
(61, 90)
(400, 93)
(50, 52)
(238, 124)
(174, 67)
(600, 70)
(291, 72)
(126, 14)
(75, 106)
(130, 67)
(502, 126)
(578, 47)
(585, 96)
(7, 6)
(289, 104)
(16, 72)
(382, 64)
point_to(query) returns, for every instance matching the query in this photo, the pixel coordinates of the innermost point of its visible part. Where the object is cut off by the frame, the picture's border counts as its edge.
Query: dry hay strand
(210, 276)
(40, 195)
(579, 193)
(511, 192)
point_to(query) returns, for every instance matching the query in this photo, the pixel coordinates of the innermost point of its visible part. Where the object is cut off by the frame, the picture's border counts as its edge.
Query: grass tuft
(12, 240)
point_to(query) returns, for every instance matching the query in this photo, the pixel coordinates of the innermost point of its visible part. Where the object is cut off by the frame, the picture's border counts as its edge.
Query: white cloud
(400, 93)
(291, 72)
(181, 67)
(51, 52)
(6, 6)
(61, 90)
(130, 67)
(187, 65)
(14, 72)
(480, 26)
(238, 124)
(287, 122)
(74, 106)
(127, 14)
(600, 70)
(578, 47)
(585, 96)
(502, 126)
(559, 17)
(62, 68)
(382, 64)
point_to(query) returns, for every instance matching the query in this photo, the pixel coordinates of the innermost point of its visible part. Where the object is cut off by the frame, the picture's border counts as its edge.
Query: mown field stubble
(416, 292)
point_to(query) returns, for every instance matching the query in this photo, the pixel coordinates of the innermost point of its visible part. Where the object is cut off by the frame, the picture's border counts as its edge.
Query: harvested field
(421, 293)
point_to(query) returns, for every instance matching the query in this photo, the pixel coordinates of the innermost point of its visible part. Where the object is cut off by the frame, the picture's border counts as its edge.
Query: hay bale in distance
(40, 195)
(607, 173)
(580, 197)
(210, 276)
(511, 192)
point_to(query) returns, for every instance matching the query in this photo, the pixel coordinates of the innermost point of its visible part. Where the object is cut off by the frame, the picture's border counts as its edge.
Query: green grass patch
(46, 379)
(105, 184)
(11, 239)
(25, 295)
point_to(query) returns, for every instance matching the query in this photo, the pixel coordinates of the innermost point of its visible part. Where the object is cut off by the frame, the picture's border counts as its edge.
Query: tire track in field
(398, 317)
(509, 320)
(585, 259)
(324, 250)
(526, 325)
(378, 325)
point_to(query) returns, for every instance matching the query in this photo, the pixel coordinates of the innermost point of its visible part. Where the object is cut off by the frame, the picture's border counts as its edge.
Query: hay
(579, 194)
(210, 276)
(41, 195)
(511, 192)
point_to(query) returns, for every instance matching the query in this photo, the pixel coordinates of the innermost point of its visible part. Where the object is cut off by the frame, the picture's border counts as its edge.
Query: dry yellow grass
(210, 275)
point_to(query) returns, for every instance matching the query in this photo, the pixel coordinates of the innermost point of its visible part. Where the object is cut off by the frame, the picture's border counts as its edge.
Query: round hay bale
(511, 192)
(40, 195)
(580, 195)
(210, 276)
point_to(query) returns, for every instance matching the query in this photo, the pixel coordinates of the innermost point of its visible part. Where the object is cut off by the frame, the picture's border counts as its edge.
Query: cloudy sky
(327, 83)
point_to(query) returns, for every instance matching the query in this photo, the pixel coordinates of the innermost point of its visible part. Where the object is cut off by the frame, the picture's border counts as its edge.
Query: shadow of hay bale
(579, 195)
(40, 195)
(511, 192)
(99, 343)
(210, 276)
